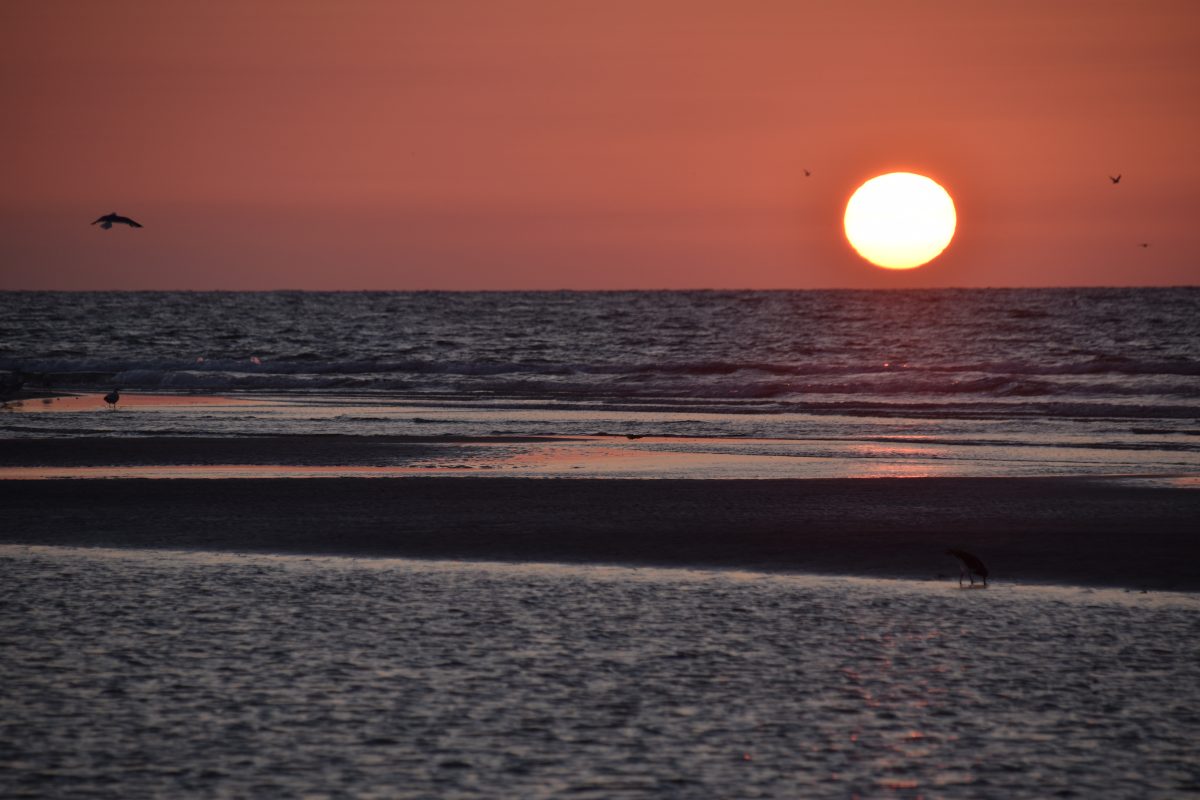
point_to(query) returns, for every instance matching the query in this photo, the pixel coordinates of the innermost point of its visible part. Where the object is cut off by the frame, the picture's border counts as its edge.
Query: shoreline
(595, 455)
(1081, 531)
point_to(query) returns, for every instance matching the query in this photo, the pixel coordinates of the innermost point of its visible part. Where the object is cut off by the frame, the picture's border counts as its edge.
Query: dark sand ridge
(1080, 531)
(332, 450)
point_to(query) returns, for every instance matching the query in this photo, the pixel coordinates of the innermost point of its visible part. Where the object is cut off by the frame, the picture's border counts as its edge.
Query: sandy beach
(1078, 531)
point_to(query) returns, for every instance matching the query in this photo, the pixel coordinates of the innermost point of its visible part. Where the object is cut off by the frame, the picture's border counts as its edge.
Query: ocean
(254, 636)
(823, 383)
(168, 674)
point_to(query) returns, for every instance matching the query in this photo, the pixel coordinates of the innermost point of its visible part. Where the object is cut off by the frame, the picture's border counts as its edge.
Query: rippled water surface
(988, 353)
(988, 381)
(173, 674)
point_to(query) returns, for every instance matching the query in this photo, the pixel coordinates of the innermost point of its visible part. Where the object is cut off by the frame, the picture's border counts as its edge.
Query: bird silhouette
(808, 173)
(1116, 179)
(112, 397)
(971, 566)
(109, 219)
(1144, 244)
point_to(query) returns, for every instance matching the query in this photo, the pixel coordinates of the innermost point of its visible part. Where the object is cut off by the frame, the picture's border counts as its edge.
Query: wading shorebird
(109, 219)
(971, 566)
(112, 397)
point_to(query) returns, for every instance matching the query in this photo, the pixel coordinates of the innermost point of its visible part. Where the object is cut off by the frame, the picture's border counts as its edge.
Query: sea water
(166, 674)
(989, 381)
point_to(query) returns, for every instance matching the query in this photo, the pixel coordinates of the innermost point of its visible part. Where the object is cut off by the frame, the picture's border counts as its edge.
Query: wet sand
(1104, 532)
(332, 450)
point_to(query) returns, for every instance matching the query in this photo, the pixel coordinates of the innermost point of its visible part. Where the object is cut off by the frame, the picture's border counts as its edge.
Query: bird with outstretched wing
(114, 217)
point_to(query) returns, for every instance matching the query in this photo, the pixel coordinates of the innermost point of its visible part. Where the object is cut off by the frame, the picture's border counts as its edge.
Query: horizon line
(615, 291)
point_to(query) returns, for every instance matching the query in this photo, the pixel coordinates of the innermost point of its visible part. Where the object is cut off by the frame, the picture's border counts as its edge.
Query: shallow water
(176, 674)
(597, 445)
(861, 383)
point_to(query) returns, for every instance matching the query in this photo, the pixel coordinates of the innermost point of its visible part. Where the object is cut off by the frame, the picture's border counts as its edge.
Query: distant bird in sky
(808, 173)
(1144, 244)
(112, 397)
(114, 217)
(1115, 179)
(971, 566)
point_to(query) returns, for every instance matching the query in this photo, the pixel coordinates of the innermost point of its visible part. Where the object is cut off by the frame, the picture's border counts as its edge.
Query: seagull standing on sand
(109, 219)
(112, 397)
(971, 566)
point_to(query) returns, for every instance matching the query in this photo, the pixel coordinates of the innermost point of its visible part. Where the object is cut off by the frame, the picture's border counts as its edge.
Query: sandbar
(1079, 531)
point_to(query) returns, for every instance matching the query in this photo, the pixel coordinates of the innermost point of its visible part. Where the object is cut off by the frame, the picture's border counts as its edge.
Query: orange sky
(546, 144)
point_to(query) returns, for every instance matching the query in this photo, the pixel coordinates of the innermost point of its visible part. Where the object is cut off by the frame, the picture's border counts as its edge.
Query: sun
(900, 220)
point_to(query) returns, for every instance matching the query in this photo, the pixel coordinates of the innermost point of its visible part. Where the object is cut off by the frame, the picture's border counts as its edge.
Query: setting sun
(900, 220)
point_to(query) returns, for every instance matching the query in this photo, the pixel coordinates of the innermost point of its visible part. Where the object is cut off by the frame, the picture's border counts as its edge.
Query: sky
(580, 144)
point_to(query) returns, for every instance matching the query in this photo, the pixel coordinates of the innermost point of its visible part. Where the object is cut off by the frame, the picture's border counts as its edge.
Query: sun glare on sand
(900, 220)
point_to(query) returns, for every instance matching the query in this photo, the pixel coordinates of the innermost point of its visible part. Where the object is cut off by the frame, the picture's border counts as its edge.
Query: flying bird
(1144, 244)
(112, 397)
(808, 173)
(1116, 179)
(109, 219)
(971, 566)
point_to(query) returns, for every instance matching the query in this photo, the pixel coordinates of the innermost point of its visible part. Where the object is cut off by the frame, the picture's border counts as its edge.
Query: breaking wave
(1021, 353)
